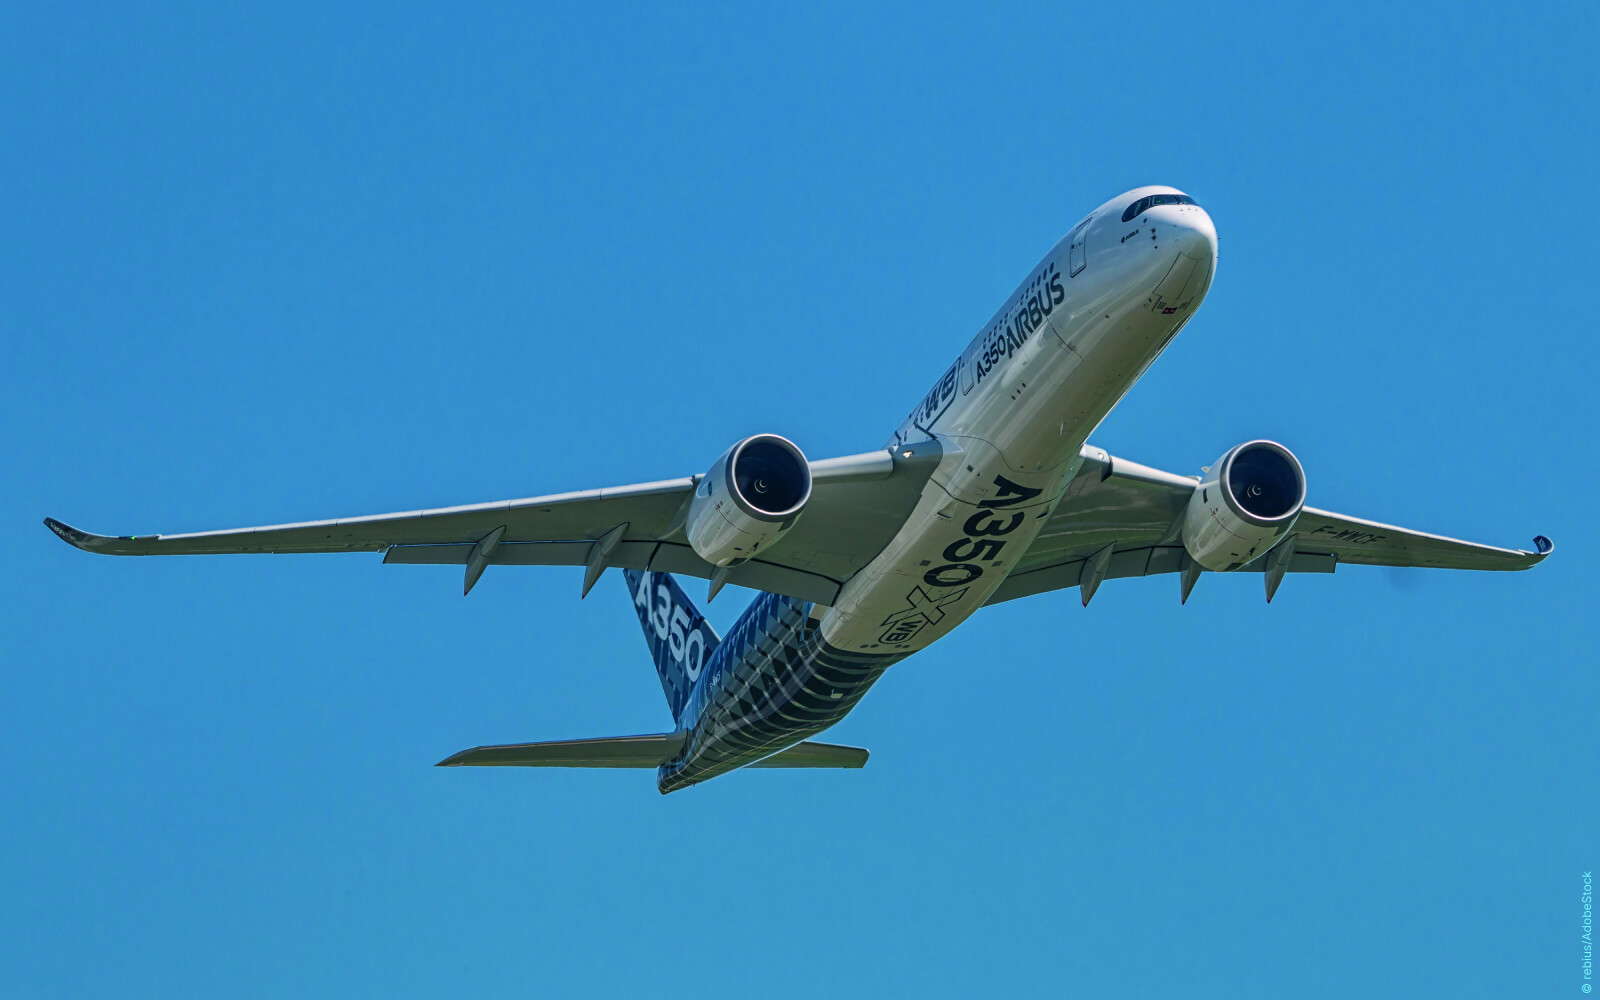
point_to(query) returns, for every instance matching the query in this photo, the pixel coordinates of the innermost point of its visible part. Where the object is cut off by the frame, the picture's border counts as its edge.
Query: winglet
(1544, 545)
(88, 541)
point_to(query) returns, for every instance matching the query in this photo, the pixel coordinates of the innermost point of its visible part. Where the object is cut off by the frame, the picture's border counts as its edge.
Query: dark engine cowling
(752, 495)
(1248, 500)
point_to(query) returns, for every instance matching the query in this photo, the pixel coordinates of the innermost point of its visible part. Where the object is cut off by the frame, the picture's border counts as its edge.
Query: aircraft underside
(987, 492)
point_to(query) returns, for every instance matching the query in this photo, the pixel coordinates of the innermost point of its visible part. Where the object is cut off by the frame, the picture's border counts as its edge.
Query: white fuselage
(1014, 409)
(1010, 416)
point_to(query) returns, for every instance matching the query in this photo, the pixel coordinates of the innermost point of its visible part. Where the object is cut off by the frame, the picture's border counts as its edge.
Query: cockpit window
(1150, 201)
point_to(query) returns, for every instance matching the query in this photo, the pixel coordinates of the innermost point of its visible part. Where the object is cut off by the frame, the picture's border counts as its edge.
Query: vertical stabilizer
(680, 639)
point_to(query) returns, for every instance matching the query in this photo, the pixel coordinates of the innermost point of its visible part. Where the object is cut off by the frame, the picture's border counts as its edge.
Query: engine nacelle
(1247, 501)
(752, 495)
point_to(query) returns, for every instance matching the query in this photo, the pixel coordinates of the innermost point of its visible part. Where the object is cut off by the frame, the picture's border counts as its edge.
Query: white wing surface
(857, 504)
(1138, 511)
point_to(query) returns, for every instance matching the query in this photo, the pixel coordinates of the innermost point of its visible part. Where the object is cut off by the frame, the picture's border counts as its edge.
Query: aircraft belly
(976, 518)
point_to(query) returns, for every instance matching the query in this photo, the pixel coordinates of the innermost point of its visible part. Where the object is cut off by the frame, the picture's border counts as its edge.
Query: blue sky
(270, 265)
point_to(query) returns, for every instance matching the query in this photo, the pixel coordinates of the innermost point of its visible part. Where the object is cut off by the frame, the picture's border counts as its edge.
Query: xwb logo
(924, 611)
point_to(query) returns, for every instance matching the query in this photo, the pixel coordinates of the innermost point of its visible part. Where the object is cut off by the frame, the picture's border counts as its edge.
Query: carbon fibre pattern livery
(771, 683)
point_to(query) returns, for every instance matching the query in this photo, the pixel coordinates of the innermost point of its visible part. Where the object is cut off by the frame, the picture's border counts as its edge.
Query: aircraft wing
(857, 504)
(1139, 510)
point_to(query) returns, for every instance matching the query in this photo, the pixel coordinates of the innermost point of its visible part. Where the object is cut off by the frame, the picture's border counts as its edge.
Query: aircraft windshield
(1150, 201)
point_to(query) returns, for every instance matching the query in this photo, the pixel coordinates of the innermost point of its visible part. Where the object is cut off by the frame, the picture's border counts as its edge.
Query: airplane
(863, 560)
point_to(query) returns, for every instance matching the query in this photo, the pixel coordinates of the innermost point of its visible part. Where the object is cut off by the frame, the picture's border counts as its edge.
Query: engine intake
(748, 499)
(769, 477)
(1248, 500)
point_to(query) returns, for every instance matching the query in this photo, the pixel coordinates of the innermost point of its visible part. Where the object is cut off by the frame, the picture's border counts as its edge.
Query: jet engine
(1248, 500)
(749, 498)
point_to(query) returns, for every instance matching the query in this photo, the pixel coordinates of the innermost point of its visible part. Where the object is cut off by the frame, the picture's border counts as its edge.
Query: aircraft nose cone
(1187, 228)
(1196, 236)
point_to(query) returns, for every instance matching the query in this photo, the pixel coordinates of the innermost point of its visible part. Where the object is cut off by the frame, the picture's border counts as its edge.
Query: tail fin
(679, 637)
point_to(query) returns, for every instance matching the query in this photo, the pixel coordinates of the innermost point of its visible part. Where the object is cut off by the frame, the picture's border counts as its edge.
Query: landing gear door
(1078, 258)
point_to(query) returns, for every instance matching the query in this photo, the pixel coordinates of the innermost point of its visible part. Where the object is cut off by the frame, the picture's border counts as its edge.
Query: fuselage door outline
(1078, 256)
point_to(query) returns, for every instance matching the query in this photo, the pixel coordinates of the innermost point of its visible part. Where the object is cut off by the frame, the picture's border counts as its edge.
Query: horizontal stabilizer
(816, 755)
(615, 751)
(637, 751)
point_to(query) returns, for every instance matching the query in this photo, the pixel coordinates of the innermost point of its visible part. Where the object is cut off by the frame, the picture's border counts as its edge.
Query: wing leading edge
(857, 504)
